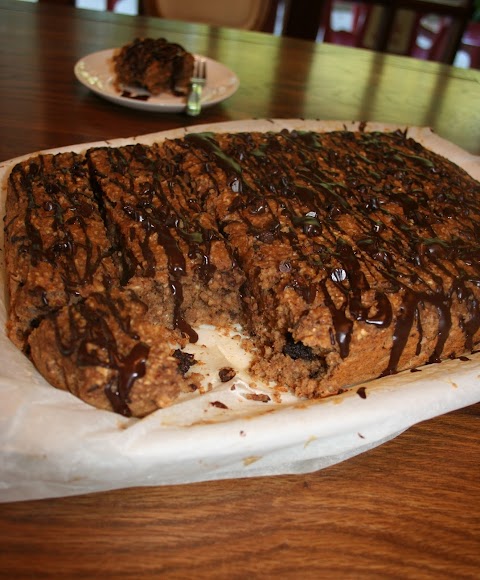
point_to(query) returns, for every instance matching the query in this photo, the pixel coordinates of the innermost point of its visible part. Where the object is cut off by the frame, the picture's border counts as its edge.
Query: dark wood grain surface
(407, 509)
(42, 104)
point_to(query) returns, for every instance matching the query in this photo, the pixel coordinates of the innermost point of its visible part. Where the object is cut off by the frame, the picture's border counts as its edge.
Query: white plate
(96, 73)
(52, 444)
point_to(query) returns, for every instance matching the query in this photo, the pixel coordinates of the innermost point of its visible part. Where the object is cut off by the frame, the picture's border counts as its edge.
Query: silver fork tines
(197, 82)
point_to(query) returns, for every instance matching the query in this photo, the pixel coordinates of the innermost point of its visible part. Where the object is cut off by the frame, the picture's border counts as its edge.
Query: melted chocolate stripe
(62, 200)
(95, 343)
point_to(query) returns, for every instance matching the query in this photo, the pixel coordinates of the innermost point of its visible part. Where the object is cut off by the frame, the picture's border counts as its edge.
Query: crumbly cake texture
(154, 64)
(57, 250)
(345, 256)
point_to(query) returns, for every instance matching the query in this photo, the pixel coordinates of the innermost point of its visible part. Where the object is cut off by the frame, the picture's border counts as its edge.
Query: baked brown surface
(104, 347)
(166, 239)
(154, 64)
(56, 249)
(344, 255)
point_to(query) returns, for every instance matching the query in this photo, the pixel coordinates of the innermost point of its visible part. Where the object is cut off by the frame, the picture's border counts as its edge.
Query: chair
(392, 25)
(246, 14)
(430, 38)
(471, 44)
(423, 36)
(355, 34)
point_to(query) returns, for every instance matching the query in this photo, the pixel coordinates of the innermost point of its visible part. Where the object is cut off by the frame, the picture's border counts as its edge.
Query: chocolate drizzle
(370, 229)
(67, 210)
(158, 218)
(94, 331)
(129, 369)
(404, 251)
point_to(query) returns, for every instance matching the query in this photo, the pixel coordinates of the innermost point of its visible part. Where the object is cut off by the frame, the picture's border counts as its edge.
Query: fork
(197, 82)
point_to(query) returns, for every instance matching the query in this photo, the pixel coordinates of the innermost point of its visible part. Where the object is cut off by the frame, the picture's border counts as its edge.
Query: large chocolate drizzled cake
(344, 256)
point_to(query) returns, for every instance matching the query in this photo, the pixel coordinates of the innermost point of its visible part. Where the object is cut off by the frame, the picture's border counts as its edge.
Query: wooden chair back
(245, 14)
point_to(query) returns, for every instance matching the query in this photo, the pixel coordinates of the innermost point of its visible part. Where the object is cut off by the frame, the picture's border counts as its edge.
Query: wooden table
(407, 509)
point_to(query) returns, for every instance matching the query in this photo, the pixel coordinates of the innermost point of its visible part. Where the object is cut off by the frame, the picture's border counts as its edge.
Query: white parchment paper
(52, 444)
